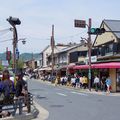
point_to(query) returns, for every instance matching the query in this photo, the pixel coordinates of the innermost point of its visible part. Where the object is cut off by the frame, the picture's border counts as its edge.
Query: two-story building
(45, 58)
(106, 47)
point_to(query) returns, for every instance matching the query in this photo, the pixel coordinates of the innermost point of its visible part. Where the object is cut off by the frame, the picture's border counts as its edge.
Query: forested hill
(23, 56)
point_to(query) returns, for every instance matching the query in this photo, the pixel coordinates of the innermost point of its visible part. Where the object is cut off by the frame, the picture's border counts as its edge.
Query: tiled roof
(69, 48)
(114, 25)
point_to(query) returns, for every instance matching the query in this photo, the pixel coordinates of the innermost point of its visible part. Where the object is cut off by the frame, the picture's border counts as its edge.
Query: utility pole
(52, 47)
(13, 22)
(89, 51)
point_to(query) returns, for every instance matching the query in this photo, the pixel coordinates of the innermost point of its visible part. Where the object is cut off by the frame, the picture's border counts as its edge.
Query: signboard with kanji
(80, 23)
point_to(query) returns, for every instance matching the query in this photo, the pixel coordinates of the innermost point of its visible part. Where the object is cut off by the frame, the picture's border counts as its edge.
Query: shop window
(109, 48)
(73, 57)
(118, 80)
(118, 47)
(103, 51)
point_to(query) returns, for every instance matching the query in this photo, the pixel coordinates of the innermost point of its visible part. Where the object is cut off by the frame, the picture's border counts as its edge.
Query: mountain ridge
(23, 56)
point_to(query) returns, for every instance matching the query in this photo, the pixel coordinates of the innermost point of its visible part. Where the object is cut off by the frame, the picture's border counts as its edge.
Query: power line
(65, 37)
(6, 40)
(7, 29)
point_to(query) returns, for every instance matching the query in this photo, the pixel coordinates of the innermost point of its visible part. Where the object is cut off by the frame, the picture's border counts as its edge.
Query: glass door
(118, 80)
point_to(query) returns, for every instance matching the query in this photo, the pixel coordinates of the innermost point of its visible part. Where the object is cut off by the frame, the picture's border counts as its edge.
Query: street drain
(56, 106)
(40, 97)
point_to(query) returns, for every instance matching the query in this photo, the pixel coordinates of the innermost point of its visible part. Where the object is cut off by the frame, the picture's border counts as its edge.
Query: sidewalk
(83, 90)
(25, 116)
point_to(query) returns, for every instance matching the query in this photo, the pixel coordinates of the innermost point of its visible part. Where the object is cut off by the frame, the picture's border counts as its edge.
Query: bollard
(28, 103)
(20, 105)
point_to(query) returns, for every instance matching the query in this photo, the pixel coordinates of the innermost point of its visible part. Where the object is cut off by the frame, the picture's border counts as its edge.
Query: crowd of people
(11, 90)
(74, 81)
(103, 84)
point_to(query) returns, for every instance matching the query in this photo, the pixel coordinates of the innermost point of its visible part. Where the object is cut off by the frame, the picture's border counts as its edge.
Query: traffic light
(97, 31)
(8, 55)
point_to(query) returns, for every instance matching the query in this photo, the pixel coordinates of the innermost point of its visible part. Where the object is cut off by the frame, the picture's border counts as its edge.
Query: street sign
(17, 54)
(80, 23)
(5, 63)
(93, 59)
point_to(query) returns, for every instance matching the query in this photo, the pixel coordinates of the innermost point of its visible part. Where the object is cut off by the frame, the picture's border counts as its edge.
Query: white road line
(61, 94)
(79, 93)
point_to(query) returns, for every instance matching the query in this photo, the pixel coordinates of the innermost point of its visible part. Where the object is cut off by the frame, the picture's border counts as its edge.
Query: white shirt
(96, 80)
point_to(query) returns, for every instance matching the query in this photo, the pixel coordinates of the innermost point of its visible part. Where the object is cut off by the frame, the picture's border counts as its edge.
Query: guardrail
(25, 101)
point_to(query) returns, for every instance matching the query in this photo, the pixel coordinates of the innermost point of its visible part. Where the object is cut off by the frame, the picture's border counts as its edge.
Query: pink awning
(68, 66)
(100, 65)
(107, 65)
(77, 67)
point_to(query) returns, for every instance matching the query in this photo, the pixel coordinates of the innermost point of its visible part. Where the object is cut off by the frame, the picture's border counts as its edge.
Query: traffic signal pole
(82, 24)
(89, 51)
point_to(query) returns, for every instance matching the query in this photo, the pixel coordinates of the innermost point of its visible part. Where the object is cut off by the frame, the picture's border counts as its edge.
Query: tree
(20, 64)
(1, 67)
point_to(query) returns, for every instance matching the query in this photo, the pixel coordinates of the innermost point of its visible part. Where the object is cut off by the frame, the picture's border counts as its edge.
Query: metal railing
(13, 105)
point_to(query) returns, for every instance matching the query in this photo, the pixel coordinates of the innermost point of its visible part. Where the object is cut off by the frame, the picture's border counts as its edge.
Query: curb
(82, 90)
(44, 114)
(28, 116)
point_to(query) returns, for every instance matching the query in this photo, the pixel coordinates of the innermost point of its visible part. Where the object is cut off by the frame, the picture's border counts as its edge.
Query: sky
(38, 16)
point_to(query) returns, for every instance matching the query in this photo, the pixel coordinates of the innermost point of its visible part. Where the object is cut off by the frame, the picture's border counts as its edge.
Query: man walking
(96, 83)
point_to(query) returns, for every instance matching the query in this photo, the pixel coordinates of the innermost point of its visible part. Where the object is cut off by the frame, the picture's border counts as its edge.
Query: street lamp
(23, 40)
(13, 22)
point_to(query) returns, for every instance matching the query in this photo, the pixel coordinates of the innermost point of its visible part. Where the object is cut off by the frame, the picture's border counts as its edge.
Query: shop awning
(46, 68)
(99, 65)
(77, 67)
(68, 66)
(107, 65)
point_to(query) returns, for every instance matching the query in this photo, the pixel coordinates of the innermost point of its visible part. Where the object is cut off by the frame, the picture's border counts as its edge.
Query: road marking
(79, 93)
(61, 94)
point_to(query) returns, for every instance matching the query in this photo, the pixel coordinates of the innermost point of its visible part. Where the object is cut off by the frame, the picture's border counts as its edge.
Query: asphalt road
(68, 104)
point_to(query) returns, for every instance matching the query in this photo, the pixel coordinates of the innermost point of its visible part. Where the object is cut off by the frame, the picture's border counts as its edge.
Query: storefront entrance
(118, 80)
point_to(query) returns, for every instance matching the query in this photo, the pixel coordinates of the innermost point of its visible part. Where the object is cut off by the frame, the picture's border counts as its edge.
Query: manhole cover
(57, 106)
(99, 100)
(36, 89)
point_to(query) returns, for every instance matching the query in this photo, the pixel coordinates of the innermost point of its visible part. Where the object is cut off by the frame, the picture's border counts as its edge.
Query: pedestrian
(96, 83)
(1, 96)
(85, 82)
(21, 92)
(103, 86)
(6, 90)
(62, 80)
(57, 80)
(73, 81)
(21, 85)
(77, 81)
(81, 81)
(9, 88)
(108, 84)
(65, 80)
(69, 80)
